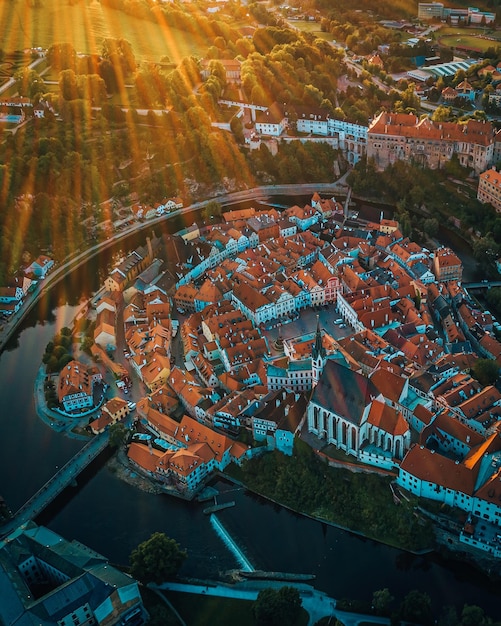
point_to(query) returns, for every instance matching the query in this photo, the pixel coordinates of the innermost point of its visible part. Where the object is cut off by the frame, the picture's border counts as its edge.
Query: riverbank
(118, 465)
(317, 604)
(323, 520)
(446, 544)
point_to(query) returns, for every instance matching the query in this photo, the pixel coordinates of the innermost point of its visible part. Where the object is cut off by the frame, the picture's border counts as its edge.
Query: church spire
(318, 355)
(318, 348)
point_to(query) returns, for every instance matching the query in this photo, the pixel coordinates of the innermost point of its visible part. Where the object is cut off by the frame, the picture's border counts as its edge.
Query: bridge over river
(66, 476)
(482, 284)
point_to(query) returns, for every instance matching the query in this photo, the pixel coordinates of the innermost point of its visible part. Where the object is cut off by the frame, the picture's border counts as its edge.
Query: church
(348, 410)
(299, 370)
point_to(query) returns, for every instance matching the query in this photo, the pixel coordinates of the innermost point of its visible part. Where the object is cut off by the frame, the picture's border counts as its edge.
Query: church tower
(318, 356)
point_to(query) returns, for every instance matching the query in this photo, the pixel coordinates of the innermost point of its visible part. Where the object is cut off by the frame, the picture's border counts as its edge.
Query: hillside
(85, 24)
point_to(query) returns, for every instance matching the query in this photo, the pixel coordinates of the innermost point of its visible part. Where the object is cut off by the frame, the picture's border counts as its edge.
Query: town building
(347, 410)
(430, 10)
(47, 580)
(191, 452)
(271, 122)
(113, 411)
(438, 12)
(76, 385)
(447, 265)
(489, 188)
(40, 266)
(231, 69)
(397, 136)
(11, 299)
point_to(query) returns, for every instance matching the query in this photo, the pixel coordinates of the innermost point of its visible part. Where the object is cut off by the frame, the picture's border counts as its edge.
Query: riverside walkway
(484, 284)
(316, 603)
(55, 485)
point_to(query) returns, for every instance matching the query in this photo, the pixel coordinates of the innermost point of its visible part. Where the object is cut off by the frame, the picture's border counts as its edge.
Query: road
(78, 259)
(316, 603)
(12, 81)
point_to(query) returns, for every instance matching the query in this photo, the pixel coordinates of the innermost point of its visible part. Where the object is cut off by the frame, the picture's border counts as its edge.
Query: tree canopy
(275, 607)
(118, 433)
(486, 371)
(156, 559)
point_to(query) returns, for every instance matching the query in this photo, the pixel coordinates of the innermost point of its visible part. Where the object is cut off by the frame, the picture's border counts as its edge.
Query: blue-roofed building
(46, 580)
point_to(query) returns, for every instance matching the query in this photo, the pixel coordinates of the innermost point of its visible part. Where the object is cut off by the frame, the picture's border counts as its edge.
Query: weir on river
(243, 561)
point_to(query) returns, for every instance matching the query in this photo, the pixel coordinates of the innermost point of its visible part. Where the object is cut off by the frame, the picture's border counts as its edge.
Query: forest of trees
(362, 502)
(421, 195)
(56, 173)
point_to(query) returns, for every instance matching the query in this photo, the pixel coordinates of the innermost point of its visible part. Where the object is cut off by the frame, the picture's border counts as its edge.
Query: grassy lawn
(309, 27)
(457, 31)
(339, 455)
(85, 25)
(469, 37)
(469, 41)
(200, 610)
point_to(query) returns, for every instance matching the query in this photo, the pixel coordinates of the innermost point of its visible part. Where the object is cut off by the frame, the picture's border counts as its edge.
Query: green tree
(62, 56)
(92, 87)
(29, 83)
(275, 607)
(118, 433)
(121, 50)
(448, 616)
(472, 615)
(212, 211)
(68, 84)
(237, 129)
(63, 361)
(442, 114)
(60, 351)
(156, 559)
(86, 344)
(416, 607)
(486, 371)
(493, 297)
(381, 601)
(486, 251)
(52, 364)
(430, 226)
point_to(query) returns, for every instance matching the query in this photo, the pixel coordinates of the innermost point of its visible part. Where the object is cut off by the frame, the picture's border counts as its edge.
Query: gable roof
(387, 418)
(344, 392)
(434, 468)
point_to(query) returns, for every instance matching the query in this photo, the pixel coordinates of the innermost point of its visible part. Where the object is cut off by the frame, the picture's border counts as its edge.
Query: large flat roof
(442, 69)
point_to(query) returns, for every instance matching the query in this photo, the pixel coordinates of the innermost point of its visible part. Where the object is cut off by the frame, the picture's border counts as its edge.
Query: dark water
(113, 517)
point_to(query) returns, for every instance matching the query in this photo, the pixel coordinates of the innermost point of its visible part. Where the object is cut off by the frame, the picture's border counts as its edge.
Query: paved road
(79, 258)
(316, 603)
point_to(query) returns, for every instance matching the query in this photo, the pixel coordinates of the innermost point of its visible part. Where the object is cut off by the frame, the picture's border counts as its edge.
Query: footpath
(316, 603)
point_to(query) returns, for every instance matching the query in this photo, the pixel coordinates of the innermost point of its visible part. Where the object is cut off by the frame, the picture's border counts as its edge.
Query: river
(112, 516)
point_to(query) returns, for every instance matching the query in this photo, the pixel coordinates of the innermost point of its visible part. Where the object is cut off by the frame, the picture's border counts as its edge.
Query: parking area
(307, 323)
